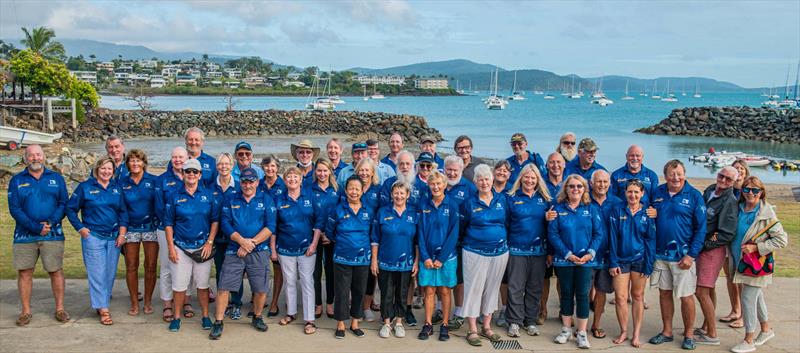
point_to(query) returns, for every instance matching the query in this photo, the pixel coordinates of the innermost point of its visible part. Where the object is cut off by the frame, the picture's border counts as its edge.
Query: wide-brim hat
(305, 144)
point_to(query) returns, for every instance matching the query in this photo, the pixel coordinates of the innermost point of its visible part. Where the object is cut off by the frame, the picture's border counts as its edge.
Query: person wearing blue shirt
(575, 235)
(243, 152)
(631, 237)
(523, 157)
(459, 188)
(102, 225)
(554, 182)
(385, 171)
(406, 173)
(191, 223)
(529, 203)
(502, 177)
(224, 187)
(485, 253)
(395, 146)
(305, 153)
(394, 257)
(680, 232)
(366, 170)
(602, 283)
(115, 149)
(428, 144)
(334, 150)
(37, 199)
(248, 218)
(139, 191)
(299, 223)
(585, 164)
(358, 152)
(349, 226)
(273, 184)
(634, 169)
(326, 196)
(195, 139)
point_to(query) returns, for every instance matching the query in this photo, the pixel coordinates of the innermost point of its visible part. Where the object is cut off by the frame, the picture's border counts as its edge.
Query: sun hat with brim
(304, 144)
(587, 145)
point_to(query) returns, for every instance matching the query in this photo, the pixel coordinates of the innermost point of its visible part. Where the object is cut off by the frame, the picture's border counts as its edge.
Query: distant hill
(448, 67)
(676, 84)
(108, 51)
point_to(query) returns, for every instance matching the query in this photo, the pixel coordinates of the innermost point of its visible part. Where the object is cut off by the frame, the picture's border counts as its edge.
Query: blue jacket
(209, 168)
(166, 183)
(371, 199)
(297, 220)
(140, 199)
(681, 223)
(608, 205)
(390, 163)
(326, 201)
(439, 162)
(121, 171)
(527, 229)
(574, 167)
(419, 192)
(350, 233)
(632, 238)
(191, 216)
(308, 178)
(620, 177)
(516, 167)
(461, 191)
(247, 219)
(236, 172)
(385, 171)
(277, 190)
(553, 189)
(222, 196)
(575, 232)
(31, 201)
(102, 210)
(395, 234)
(485, 226)
(438, 229)
(339, 168)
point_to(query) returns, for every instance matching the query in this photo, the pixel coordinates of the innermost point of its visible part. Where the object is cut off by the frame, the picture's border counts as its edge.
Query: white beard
(569, 153)
(453, 182)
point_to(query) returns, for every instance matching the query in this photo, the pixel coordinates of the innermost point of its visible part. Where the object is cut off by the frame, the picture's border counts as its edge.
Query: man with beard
(523, 157)
(566, 147)
(395, 146)
(37, 199)
(406, 174)
(585, 164)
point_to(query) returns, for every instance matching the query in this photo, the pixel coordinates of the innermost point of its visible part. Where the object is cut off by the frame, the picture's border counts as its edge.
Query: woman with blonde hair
(734, 318)
(326, 193)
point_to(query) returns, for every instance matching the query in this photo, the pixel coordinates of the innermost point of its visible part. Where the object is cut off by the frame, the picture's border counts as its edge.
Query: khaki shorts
(668, 276)
(51, 251)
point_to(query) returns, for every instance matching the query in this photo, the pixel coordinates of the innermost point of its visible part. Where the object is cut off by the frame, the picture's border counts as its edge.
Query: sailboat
(458, 88)
(788, 102)
(598, 92)
(320, 102)
(548, 95)
(696, 91)
(375, 94)
(515, 96)
(655, 94)
(626, 97)
(668, 97)
(495, 102)
(366, 98)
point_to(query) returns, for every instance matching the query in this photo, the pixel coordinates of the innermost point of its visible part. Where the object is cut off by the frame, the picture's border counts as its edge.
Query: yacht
(602, 101)
(538, 93)
(336, 100)
(626, 97)
(317, 100)
(495, 102)
(375, 94)
(515, 96)
(655, 94)
(696, 91)
(598, 92)
(549, 96)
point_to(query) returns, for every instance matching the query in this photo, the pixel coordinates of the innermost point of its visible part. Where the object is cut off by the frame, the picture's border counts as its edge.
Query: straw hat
(305, 144)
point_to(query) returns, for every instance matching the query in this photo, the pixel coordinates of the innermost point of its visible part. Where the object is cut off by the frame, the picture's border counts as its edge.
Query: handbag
(754, 264)
(197, 255)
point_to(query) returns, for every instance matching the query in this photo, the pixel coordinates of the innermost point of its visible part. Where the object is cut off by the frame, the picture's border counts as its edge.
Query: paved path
(147, 333)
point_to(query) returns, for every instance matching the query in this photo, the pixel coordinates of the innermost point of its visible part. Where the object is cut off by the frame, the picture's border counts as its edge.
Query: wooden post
(74, 117)
(50, 114)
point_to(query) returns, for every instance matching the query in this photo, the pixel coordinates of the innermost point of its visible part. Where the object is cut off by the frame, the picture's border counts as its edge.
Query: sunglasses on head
(191, 171)
(571, 143)
(750, 190)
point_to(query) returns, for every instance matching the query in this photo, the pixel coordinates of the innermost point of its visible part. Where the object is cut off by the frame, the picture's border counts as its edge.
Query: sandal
(310, 328)
(329, 311)
(318, 311)
(105, 318)
(188, 313)
(287, 320)
(738, 323)
(24, 319)
(148, 309)
(474, 339)
(134, 312)
(598, 333)
(490, 335)
(62, 315)
(167, 317)
(729, 318)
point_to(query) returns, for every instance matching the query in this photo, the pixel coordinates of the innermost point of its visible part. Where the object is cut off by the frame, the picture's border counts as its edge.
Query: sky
(750, 43)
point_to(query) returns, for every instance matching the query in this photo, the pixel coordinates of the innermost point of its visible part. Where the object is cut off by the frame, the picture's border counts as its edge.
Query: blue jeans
(574, 282)
(100, 256)
(219, 259)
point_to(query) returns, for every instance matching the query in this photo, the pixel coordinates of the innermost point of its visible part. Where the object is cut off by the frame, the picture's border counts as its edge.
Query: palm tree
(40, 42)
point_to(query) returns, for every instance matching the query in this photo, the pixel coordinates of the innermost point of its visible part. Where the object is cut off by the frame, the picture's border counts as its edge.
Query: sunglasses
(426, 166)
(575, 186)
(724, 177)
(244, 154)
(191, 171)
(516, 143)
(304, 152)
(749, 190)
(571, 143)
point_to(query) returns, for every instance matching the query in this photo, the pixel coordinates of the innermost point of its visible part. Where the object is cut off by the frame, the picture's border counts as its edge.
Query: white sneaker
(744, 347)
(706, 340)
(369, 316)
(399, 331)
(763, 337)
(532, 330)
(583, 340)
(386, 331)
(564, 336)
(513, 330)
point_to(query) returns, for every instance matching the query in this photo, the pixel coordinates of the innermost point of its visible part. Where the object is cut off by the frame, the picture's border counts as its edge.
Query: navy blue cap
(244, 145)
(359, 146)
(425, 157)
(249, 174)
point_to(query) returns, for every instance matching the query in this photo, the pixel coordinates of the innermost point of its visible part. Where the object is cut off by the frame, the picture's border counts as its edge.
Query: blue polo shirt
(248, 218)
(681, 223)
(553, 189)
(166, 183)
(632, 238)
(236, 172)
(439, 162)
(516, 167)
(325, 201)
(394, 234)
(308, 178)
(222, 196)
(574, 167)
(190, 216)
(575, 232)
(31, 201)
(389, 162)
(350, 233)
(419, 191)
(438, 229)
(121, 171)
(338, 168)
(371, 199)
(297, 220)
(140, 200)
(209, 168)
(277, 190)
(527, 230)
(344, 173)
(620, 177)
(608, 205)
(102, 209)
(461, 191)
(486, 225)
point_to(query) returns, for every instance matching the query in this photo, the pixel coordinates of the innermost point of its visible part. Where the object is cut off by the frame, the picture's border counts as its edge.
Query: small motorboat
(14, 138)
(756, 161)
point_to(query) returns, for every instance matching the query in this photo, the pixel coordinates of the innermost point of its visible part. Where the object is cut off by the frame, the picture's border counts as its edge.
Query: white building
(149, 64)
(86, 76)
(232, 84)
(106, 65)
(157, 82)
(381, 80)
(233, 73)
(214, 74)
(298, 84)
(254, 81)
(431, 83)
(171, 71)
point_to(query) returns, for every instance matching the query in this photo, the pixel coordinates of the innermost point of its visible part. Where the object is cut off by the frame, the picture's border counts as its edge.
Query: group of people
(467, 238)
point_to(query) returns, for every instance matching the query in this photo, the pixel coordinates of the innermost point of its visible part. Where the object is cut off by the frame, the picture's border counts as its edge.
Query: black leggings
(394, 290)
(351, 282)
(324, 257)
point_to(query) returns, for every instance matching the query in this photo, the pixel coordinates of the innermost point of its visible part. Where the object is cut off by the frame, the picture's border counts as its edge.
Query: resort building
(431, 83)
(86, 76)
(381, 80)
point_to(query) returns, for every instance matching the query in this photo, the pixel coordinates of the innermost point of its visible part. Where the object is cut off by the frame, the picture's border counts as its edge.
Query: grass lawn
(787, 260)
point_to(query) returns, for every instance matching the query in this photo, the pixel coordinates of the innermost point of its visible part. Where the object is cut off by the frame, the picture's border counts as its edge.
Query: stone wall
(762, 124)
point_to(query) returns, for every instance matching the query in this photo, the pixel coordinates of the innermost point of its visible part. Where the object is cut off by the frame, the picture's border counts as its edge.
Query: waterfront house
(185, 79)
(157, 82)
(254, 81)
(232, 84)
(86, 76)
(106, 65)
(431, 83)
(297, 84)
(233, 73)
(381, 80)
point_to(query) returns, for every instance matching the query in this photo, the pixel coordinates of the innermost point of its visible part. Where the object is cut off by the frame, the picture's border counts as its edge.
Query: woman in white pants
(298, 230)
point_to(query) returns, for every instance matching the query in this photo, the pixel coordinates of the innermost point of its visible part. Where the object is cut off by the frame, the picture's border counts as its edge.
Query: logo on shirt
(147, 185)
(127, 187)
(409, 219)
(477, 209)
(460, 194)
(499, 206)
(647, 179)
(365, 216)
(24, 185)
(206, 166)
(52, 182)
(621, 218)
(429, 211)
(283, 207)
(203, 198)
(306, 203)
(710, 211)
(563, 213)
(180, 200)
(235, 207)
(115, 191)
(585, 213)
(94, 192)
(260, 205)
(171, 183)
(519, 202)
(388, 218)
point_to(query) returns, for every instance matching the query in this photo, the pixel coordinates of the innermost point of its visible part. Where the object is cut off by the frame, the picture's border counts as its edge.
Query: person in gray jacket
(721, 216)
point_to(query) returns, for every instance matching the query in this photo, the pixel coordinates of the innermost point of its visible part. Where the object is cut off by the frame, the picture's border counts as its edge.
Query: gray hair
(453, 159)
(599, 172)
(194, 129)
(733, 169)
(406, 153)
(114, 138)
(565, 135)
(482, 171)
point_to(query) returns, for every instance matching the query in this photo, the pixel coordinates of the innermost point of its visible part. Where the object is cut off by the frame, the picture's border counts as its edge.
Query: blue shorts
(636, 266)
(441, 277)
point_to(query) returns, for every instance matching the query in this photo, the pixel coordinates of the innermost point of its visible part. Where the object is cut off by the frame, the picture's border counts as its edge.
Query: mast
(796, 78)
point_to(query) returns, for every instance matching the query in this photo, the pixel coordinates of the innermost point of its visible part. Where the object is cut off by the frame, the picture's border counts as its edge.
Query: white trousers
(188, 271)
(302, 267)
(482, 278)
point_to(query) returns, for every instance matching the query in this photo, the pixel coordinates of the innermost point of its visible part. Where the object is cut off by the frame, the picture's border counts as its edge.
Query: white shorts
(668, 276)
(186, 269)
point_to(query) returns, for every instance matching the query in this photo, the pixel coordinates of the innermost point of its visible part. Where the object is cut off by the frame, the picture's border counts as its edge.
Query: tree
(7, 50)
(40, 41)
(49, 78)
(142, 98)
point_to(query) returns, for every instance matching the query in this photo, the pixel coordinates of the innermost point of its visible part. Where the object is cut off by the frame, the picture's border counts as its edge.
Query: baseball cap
(427, 138)
(244, 145)
(518, 137)
(359, 146)
(587, 145)
(425, 157)
(248, 174)
(192, 164)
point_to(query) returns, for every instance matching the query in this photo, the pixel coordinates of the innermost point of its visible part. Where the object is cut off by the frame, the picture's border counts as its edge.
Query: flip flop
(737, 324)
(167, 318)
(598, 333)
(729, 318)
(62, 316)
(148, 309)
(24, 319)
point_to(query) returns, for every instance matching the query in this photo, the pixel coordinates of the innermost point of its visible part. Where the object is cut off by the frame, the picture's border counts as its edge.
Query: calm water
(543, 121)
